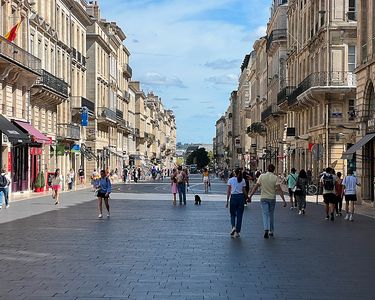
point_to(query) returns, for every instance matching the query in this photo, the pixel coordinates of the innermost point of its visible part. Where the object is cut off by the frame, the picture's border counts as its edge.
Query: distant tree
(198, 157)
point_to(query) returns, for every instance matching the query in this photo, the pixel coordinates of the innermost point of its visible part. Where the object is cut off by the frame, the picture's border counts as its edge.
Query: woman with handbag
(104, 188)
(300, 192)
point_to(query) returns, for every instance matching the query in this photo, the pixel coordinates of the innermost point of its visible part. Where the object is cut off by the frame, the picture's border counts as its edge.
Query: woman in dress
(206, 179)
(56, 186)
(174, 185)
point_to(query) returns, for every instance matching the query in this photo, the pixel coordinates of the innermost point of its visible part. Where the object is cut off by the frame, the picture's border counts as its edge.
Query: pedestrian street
(150, 249)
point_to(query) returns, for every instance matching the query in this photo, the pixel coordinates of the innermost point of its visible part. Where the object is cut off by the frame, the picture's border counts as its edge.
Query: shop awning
(14, 134)
(348, 154)
(36, 135)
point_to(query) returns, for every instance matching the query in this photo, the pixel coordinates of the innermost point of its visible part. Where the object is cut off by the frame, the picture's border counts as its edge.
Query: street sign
(317, 151)
(85, 116)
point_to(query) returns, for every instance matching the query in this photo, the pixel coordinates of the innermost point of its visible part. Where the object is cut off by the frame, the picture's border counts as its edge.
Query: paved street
(152, 250)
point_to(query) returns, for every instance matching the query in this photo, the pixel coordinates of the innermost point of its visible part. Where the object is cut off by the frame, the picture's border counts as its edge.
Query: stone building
(361, 155)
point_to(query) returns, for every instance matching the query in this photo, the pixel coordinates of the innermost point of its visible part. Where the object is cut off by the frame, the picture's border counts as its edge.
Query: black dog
(197, 200)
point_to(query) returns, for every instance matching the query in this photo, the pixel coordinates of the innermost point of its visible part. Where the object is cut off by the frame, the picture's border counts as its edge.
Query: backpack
(328, 182)
(3, 181)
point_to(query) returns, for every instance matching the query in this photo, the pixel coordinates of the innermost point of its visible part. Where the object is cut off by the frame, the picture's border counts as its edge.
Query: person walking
(350, 184)
(301, 191)
(182, 181)
(94, 178)
(236, 192)
(292, 180)
(70, 179)
(104, 188)
(339, 194)
(81, 174)
(328, 182)
(57, 181)
(4, 188)
(269, 184)
(174, 185)
(206, 179)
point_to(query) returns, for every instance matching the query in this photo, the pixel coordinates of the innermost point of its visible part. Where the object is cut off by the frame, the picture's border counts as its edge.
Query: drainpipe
(328, 80)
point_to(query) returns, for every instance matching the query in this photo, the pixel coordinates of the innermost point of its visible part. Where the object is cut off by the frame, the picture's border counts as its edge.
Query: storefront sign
(9, 161)
(85, 116)
(35, 151)
(76, 149)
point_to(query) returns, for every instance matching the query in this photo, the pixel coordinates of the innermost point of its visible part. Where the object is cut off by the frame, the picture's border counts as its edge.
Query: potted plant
(38, 183)
(43, 181)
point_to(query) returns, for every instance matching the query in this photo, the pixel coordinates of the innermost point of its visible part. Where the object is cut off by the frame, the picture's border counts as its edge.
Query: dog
(197, 200)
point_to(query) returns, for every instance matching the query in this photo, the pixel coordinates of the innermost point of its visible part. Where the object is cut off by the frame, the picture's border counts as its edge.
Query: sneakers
(7, 206)
(108, 215)
(332, 217)
(233, 231)
(346, 217)
(292, 207)
(300, 212)
(266, 234)
(303, 211)
(351, 218)
(270, 234)
(327, 218)
(100, 216)
(236, 234)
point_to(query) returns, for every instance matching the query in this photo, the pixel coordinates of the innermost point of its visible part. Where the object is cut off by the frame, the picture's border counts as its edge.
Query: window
(352, 11)
(351, 109)
(351, 58)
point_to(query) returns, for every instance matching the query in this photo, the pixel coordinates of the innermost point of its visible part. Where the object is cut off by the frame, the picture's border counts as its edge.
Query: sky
(189, 53)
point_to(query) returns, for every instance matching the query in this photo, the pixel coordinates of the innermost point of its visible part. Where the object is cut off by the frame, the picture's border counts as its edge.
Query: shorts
(102, 195)
(350, 198)
(291, 193)
(330, 198)
(205, 179)
(56, 187)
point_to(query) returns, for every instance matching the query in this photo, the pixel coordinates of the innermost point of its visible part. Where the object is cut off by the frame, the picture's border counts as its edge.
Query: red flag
(12, 34)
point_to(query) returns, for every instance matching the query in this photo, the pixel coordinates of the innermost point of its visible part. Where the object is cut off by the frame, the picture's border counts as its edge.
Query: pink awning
(36, 135)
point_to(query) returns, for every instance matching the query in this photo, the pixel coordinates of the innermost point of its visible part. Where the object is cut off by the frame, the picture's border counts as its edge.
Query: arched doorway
(368, 157)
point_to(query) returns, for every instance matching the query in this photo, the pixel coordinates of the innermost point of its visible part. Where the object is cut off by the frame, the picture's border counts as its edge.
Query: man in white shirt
(4, 188)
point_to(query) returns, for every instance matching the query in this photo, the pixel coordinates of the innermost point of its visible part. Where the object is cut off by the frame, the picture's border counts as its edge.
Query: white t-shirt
(350, 183)
(237, 187)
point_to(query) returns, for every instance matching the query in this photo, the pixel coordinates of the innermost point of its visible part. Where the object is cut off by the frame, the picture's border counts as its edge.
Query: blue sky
(189, 52)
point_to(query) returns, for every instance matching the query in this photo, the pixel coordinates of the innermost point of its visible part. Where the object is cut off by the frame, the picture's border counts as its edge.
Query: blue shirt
(105, 185)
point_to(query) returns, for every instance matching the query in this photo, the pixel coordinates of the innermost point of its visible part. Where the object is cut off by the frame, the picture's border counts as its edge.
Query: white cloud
(223, 64)
(158, 80)
(229, 79)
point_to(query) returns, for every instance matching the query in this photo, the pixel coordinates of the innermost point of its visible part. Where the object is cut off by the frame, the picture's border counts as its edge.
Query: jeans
(236, 209)
(181, 187)
(70, 185)
(268, 210)
(4, 191)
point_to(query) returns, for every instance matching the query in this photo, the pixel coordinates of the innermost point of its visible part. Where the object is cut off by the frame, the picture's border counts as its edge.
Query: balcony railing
(119, 114)
(284, 94)
(68, 131)
(322, 79)
(128, 71)
(53, 83)
(18, 55)
(276, 35)
(79, 102)
(107, 113)
(266, 113)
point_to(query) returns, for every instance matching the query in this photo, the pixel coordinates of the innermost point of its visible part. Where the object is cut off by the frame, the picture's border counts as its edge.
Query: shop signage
(76, 149)
(60, 149)
(9, 161)
(85, 116)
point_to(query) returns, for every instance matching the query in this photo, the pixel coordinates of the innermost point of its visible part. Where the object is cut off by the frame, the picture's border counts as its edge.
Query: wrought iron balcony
(17, 55)
(53, 83)
(119, 114)
(68, 132)
(266, 113)
(128, 71)
(283, 95)
(106, 113)
(322, 79)
(79, 102)
(276, 35)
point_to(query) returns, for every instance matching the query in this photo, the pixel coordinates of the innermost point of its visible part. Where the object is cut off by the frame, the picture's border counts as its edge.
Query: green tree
(198, 157)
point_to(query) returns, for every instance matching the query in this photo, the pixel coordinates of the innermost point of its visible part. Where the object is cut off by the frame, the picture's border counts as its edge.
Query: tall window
(352, 10)
(351, 59)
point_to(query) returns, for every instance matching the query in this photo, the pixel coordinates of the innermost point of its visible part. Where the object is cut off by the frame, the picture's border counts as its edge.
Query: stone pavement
(152, 250)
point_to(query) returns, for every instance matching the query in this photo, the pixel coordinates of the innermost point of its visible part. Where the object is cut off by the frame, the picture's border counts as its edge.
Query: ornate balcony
(77, 102)
(52, 83)
(324, 80)
(106, 115)
(283, 95)
(266, 113)
(128, 71)
(68, 132)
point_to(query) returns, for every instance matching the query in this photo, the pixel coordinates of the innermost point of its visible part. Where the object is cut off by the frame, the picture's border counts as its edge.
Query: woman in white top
(236, 192)
(56, 186)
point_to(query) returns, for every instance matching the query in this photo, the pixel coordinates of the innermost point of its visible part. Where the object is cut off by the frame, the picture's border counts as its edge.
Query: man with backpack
(328, 182)
(4, 188)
